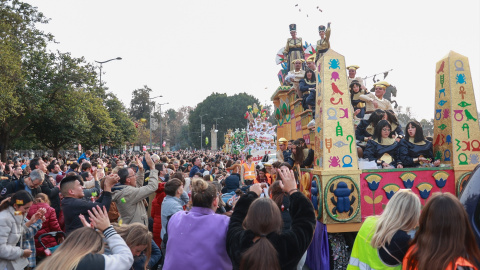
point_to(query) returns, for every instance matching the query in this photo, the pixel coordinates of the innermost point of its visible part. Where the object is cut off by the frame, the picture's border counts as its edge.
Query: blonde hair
(42, 197)
(401, 213)
(136, 234)
(235, 168)
(203, 193)
(79, 243)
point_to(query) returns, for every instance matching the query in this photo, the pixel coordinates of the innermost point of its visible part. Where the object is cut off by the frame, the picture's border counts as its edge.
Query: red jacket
(49, 225)
(157, 213)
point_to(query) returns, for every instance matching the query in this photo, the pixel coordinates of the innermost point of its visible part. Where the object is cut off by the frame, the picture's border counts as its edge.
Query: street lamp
(216, 133)
(216, 126)
(161, 135)
(101, 65)
(150, 115)
(201, 131)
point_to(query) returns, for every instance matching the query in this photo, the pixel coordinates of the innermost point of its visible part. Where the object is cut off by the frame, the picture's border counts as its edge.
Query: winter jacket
(232, 182)
(170, 206)
(157, 213)
(129, 199)
(73, 207)
(290, 245)
(10, 231)
(50, 225)
(47, 187)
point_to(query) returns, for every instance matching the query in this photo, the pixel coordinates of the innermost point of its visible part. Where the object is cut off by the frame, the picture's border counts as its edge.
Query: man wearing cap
(324, 43)
(311, 62)
(283, 154)
(294, 48)
(352, 72)
(375, 100)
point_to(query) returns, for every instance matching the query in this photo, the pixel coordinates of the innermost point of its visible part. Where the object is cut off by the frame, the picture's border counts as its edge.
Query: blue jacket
(195, 169)
(83, 156)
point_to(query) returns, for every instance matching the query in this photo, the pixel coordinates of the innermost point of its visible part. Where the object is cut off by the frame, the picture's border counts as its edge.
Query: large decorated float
(344, 195)
(258, 139)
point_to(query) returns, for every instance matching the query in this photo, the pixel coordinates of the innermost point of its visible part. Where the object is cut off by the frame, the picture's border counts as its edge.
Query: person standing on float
(323, 44)
(293, 49)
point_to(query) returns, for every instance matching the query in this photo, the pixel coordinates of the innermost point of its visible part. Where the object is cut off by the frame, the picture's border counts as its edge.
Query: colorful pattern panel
(335, 130)
(457, 133)
(378, 186)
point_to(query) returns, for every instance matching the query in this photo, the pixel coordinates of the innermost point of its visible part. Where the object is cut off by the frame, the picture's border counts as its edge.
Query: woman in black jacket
(255, 239)
(414, 150)
(383, 149)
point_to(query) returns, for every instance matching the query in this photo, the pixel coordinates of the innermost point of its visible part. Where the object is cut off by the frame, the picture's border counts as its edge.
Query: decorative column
(456, 139)
(335, 149)
(213, 136)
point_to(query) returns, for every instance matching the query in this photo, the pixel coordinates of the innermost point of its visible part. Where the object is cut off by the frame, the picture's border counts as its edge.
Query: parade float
(257, 139)
(343, 195)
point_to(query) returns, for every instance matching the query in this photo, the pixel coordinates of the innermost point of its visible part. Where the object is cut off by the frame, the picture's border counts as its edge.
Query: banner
(258, 154)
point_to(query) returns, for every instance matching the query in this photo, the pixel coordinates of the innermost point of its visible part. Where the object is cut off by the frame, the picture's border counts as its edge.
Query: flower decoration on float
(424, 189)
(373, 181)
(390, 190)
(408, 179)
(440, 178)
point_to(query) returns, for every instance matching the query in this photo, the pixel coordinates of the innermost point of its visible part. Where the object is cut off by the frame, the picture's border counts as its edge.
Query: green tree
(125, 130)
(72, 110)
(404, 117)
(140, 105)
(230, 108)
(427, 127)
(21, 44)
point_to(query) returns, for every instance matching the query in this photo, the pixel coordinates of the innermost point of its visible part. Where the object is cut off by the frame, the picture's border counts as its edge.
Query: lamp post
(161, 135)
(101, 65)
(150, 115)
(216, 126)
(201, 131)
(216, 132)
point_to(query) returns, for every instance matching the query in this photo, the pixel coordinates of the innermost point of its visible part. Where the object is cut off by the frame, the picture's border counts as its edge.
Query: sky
(186, 49)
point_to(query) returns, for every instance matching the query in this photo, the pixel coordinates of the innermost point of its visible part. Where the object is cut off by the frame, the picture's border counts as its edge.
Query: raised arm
(140, 175)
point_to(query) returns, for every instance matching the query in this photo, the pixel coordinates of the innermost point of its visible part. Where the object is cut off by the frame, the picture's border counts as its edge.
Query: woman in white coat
(12, 213)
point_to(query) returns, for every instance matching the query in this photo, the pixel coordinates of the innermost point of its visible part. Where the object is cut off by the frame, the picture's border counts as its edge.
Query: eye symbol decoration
(463, 104)
(340, 144)
(442, 126)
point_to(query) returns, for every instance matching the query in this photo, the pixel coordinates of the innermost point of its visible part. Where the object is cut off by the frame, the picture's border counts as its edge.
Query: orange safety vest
(249, 171)
(459, 262)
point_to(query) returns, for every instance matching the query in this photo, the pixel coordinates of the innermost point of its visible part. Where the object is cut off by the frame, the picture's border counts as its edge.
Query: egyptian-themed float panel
(335, 137)
(457, 133)
(341, 193)
(378, 186)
